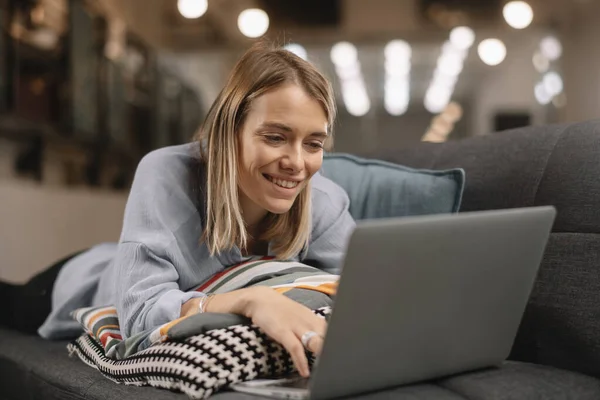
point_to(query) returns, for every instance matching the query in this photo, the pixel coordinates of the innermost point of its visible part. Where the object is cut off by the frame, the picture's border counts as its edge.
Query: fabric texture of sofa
(556, 354)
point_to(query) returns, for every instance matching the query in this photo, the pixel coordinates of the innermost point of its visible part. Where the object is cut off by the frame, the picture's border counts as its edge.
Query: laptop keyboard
(295, 383)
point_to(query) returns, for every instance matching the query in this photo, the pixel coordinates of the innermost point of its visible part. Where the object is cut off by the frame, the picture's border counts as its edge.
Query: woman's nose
(293, 159)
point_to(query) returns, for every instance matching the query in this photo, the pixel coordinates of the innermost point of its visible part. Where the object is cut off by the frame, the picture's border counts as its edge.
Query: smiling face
(280, 148)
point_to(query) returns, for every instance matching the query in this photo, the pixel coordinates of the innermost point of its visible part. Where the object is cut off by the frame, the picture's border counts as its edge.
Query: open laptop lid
(424, 297)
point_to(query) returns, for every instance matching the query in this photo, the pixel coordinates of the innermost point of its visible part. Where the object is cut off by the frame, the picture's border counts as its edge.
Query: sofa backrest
(549, 165)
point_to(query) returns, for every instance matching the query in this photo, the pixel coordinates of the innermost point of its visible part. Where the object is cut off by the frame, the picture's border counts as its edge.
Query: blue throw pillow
(380, 189)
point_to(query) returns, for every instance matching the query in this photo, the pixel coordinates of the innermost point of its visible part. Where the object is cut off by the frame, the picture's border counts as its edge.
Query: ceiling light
(348, 72)
(540, 62)
(397, 69)
(192, 9)
(297, 49)
(397, 98)
(553, 83)
(355, 98)
(253, 22)
(450, 64)
(541, 95)
(551, 48)
(347, 67)
(397, 51)
(343, 54)
(462, 37)
(518, 14)
(437, 98)
(492, 51)
(449, 48)
(441, 79)
(397, 63)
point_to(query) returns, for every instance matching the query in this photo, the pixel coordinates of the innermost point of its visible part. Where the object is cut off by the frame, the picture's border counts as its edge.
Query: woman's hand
(283, 319)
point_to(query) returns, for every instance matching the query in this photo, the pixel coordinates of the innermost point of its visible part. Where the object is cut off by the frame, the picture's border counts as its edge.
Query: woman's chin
(279, 206)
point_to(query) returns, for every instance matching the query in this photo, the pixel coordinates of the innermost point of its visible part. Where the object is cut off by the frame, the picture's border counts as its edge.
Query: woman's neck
(253, 214)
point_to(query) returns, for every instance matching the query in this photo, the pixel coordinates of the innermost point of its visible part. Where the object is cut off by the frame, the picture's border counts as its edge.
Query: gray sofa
(556, 354)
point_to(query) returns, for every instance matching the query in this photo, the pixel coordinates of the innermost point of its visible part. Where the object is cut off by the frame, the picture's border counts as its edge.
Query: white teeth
(282, 183)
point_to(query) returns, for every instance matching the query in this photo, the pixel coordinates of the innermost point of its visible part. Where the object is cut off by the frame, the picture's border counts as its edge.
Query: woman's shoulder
(171, 159)
(331, 219)
(167, 171)
(166, 190)
(327, 195)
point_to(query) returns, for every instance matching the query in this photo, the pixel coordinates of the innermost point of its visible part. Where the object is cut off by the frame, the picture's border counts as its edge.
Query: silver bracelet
(204, 301)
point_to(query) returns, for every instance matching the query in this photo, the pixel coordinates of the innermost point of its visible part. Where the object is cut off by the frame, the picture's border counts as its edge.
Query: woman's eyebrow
(319, 135)
(287, 128)
(276, 125)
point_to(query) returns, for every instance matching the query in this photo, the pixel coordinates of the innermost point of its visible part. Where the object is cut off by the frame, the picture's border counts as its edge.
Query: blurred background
(87, 87)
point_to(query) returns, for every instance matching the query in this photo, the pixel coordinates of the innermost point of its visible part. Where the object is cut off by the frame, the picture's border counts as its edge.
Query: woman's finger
(293, 345)
(315, 344)
(316, 325)
(320, 327)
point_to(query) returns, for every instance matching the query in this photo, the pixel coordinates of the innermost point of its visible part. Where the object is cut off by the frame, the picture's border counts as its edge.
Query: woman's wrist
(241, 302)
(253, 298)
(190, 307)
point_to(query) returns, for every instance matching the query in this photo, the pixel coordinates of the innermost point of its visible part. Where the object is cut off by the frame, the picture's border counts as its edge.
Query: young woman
(248, 185)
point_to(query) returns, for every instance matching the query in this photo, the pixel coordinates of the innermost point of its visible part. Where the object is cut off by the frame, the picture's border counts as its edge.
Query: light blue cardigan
(159, 255)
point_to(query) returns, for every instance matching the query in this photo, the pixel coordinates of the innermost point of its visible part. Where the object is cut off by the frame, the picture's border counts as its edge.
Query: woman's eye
(316, 145)
(274, 139)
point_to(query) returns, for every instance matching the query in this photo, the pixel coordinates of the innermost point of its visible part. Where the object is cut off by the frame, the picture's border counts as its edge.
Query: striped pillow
(283, 276)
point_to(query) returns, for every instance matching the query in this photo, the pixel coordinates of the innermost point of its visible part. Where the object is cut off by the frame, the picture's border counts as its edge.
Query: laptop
(421, 298)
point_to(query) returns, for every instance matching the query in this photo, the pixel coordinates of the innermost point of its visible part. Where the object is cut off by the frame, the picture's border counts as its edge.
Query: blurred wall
(582, 67)
(392, 16)
(381, 132)
(508, 87)
(145, 21)
(7, 152)
(42, 224)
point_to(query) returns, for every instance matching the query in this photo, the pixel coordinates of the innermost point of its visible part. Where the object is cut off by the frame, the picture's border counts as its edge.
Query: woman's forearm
(237, 302)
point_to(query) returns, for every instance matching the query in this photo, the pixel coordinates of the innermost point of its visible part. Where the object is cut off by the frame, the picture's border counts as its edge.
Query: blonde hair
(261, 69)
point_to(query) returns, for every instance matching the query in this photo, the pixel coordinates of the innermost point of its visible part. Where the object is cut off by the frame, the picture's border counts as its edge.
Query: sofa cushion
(379, 189)
(517, 380)
(33, 368)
